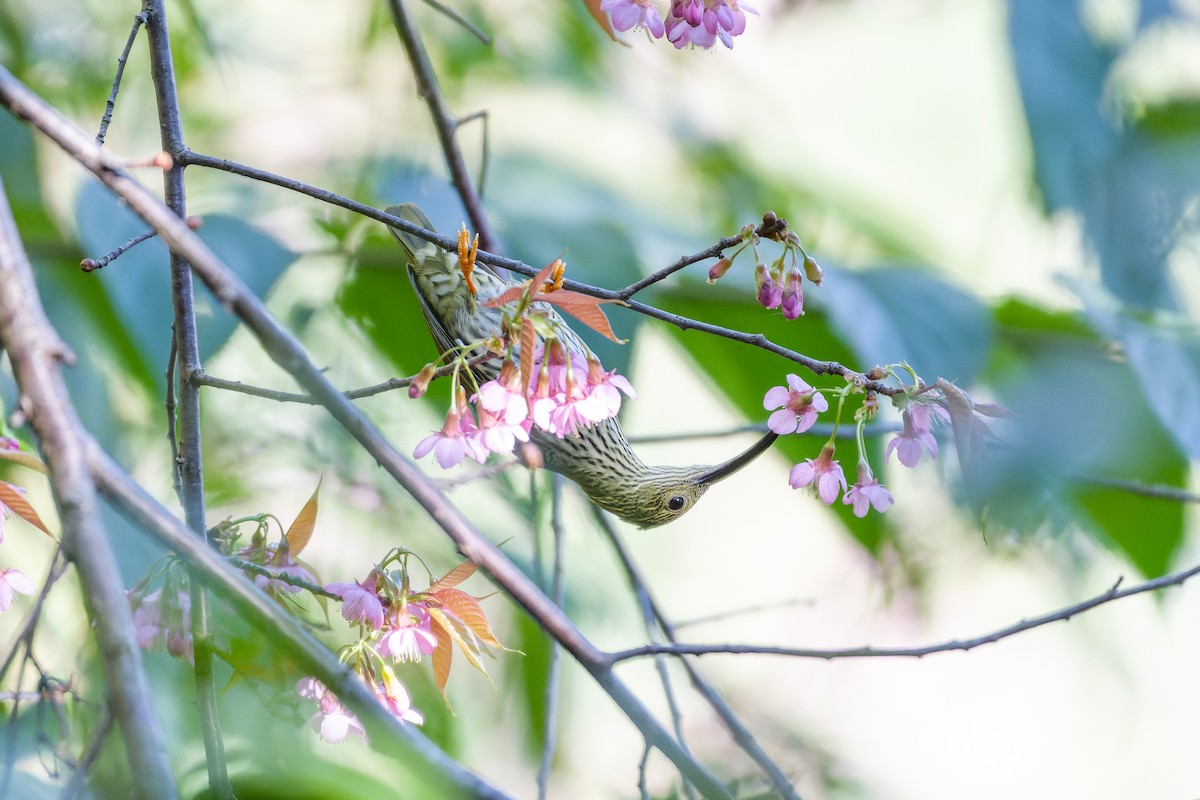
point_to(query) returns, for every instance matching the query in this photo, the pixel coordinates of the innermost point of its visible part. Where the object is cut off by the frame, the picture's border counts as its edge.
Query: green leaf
(1061, 73)
(894, 314)
(1164, 351)
(138, 283)
(1080, 416)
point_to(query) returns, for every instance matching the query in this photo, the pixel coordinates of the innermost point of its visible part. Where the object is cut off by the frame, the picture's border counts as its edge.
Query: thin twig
(90, 754)
(741, 734)
(1062, 615)
(139, 19)
(444, 122)
(646, 607)
(512, 265)
(169, 405)
(93, 264)
(467, 25)
(821, 430)
(190, 459)
(739, 612)
(282, 577)
(1147, 489)
(713, 251)
(202, 378)
(554, 678)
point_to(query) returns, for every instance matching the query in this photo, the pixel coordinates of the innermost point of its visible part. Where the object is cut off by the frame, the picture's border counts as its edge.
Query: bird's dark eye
(676, 502)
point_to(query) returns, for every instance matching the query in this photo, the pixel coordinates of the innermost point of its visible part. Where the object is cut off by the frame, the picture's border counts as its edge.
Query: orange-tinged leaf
(507, 296)
(528, 345)
(24, 459)
(466, 608)
(593, 7)
(455, 576)
(584, 308)
(443, 655)
(20, 506)
(301, 530)
(451, 625)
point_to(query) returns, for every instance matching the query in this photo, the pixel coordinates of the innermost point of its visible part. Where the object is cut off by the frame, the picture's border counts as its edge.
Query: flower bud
(813, 270)
(793, 296)
(718, 270)
(876, 374)
(770, 293)
(530, 455)
(421, 382)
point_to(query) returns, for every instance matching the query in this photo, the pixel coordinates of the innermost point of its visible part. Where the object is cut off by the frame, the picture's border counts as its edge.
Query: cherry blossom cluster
(397, 625)
(779, 285)
(565, 391)
(795, 408)
(696, 23)
(162, 619)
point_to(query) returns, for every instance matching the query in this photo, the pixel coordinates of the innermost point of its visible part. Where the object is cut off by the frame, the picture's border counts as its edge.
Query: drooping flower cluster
(547, 376)
(565, 392)
(698, 23)
(398, 625)
(163, 619)
(780, 284)
(796, 406)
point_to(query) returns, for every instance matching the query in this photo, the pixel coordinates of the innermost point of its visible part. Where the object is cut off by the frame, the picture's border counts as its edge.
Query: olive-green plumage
(597, 458)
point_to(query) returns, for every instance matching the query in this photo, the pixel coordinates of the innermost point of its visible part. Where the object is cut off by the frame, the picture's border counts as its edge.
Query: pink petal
(777, 396)
(783, 422)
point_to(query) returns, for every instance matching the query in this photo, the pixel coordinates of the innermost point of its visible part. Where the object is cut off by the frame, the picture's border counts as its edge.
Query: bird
(598, 458)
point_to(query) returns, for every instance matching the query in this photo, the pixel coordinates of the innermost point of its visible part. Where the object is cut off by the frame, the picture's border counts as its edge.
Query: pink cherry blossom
(916, 439)
(504, 396)
(396, 699)
(628, 14)
(454, 441)
(283, 565)
(867, 493)
(496, 435)
(360, 602)
(409, 634)
(692, 22)
(822, 474)
(332, 721)
(165, 620)
(12, 583)
(147, 616)
(800, 403)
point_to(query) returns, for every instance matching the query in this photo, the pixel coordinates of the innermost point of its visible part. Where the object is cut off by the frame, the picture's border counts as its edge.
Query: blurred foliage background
(1004, 194)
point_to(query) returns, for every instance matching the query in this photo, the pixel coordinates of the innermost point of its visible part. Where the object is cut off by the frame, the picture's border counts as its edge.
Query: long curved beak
(722, 471)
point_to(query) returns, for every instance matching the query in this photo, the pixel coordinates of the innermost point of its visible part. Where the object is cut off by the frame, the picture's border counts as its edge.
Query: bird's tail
(413, 246)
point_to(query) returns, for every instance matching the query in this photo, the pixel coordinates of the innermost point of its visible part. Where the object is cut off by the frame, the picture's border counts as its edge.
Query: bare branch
(36, 353)
(444, 122)
(139, 20)
(1062, 615)
(741, 734)
(189, 457)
